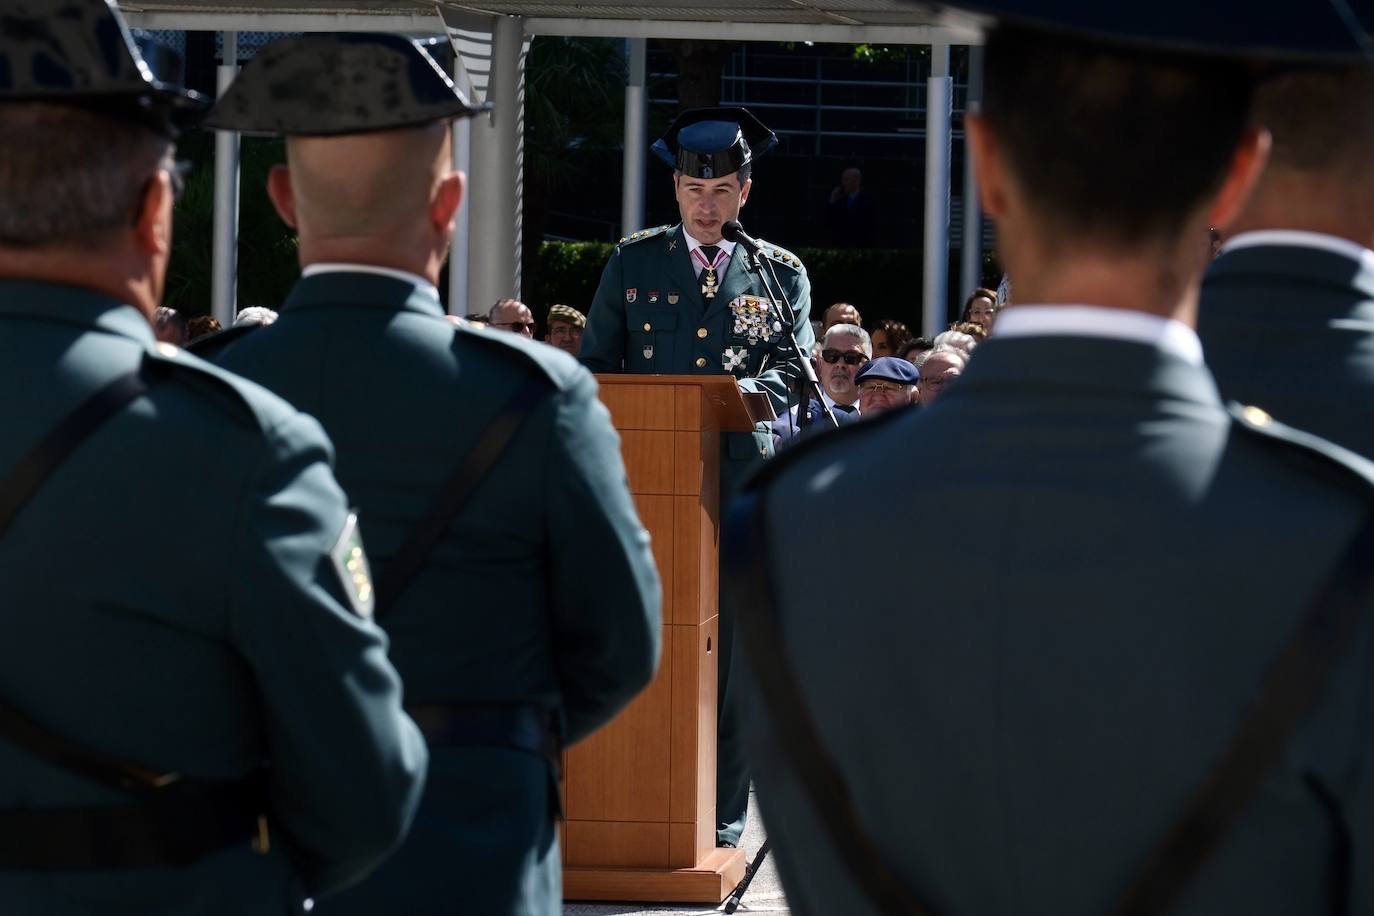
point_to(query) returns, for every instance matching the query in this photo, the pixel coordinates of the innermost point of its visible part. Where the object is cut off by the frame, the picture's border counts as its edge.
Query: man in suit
(197, 715)
(845, 349)
(1020, 741)
(683, 300)
(1287, 315)
(531, 615)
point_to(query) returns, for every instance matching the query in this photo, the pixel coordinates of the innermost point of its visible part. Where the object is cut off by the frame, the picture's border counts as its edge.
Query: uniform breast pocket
(651, 340)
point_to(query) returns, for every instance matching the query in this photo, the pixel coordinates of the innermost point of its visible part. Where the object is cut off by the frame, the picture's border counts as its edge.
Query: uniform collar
(420, 283)
(693, 245)
(1165, 334)
(363, 285)
(74, 305)
(1298, 238)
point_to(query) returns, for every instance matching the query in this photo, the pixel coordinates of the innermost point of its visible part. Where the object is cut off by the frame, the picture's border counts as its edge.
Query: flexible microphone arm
(732, 231)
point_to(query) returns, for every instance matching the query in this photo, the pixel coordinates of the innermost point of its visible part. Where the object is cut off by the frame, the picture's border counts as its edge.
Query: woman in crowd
(889, 336)
(981, 308)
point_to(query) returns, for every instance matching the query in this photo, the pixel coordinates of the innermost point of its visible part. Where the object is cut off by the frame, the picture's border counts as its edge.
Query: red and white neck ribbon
(721, 257)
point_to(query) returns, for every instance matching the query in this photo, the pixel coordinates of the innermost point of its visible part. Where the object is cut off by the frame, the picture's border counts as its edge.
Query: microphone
(732, 231)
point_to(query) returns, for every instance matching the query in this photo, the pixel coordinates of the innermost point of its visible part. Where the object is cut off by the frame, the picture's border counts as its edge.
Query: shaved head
(365, 184)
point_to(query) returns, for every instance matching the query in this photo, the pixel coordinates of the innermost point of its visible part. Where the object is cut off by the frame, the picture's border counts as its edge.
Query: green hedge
(882, 283)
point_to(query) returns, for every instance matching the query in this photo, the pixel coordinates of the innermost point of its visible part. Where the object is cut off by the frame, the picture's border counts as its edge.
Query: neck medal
(709, 285)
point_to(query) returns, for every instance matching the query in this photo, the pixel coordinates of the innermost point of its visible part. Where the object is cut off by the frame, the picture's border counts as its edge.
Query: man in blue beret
(197, 714)
(513, 575)
(1136, 678)
(886, 383)
(681, 300)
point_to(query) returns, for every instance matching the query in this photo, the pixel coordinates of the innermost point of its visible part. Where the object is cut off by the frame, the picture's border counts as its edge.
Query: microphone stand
(809, 383)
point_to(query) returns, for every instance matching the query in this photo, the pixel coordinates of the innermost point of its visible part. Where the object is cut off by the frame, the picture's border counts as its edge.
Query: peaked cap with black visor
(330, 84)
(81, 53)
(713, 142)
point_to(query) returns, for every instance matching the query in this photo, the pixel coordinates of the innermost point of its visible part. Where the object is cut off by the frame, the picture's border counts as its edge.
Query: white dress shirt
(693, 245)
(1302, 239)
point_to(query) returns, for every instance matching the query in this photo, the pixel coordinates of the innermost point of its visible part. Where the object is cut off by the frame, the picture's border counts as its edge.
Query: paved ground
(765, 893)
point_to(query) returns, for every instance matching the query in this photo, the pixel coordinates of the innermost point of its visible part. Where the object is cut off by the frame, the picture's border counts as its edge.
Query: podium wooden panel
(640, 794)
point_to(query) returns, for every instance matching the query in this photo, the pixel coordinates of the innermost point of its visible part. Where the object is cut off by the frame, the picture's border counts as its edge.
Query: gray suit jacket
(1106, 565)
(1291, 329)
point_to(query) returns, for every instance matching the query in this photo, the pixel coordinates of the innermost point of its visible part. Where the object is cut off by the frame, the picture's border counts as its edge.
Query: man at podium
(682, 300)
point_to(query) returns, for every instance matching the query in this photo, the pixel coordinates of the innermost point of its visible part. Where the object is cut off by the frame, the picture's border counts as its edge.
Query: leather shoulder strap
(52, 451)
(747, 573)
(1291, 687)
(397, 575)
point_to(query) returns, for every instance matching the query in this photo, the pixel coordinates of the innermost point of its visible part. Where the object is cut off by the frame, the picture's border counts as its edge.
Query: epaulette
(1351, 467)
(528, 354)
(644, 234)
(811, 445)
(249, 400)
(779, 254)
(212, 345)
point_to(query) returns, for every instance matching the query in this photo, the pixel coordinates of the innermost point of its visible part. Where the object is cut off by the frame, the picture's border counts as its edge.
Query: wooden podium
(640, 794)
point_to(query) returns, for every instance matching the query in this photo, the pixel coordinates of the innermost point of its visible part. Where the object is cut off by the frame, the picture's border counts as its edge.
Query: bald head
(365, 184)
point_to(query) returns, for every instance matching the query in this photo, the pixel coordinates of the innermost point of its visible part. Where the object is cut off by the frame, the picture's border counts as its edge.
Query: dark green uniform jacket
(649, 316)
(170, 600)
(1107, 564)
(544, 590)
(1290, 327)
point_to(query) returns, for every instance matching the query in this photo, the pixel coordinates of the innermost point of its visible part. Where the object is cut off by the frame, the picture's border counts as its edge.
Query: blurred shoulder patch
(350, 562)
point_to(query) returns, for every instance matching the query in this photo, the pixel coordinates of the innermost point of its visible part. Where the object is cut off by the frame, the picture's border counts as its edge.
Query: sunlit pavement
(764, 896)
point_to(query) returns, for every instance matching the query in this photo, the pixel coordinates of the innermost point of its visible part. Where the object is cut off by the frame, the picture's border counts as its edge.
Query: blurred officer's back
(197, 715)
(514, 577)
(1023, 741)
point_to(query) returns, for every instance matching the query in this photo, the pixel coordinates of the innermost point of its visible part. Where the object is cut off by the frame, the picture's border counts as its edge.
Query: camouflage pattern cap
(569, 314)
(353, 83)
(80, 52)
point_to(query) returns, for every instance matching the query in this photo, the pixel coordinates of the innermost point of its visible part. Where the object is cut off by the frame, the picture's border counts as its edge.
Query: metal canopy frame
(482, 262)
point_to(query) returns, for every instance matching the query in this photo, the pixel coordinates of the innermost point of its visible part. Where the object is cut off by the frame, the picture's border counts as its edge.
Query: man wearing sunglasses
(839, 356)
(512, 315)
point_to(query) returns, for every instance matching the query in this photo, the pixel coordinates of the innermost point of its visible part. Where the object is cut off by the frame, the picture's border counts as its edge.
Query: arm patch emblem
(350, 562)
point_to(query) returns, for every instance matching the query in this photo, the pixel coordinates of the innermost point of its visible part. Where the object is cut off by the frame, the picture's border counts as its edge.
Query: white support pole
(939, 99)
(632, 175)
(971, 255)
(462, 229)
(224, 251)
(494, 177)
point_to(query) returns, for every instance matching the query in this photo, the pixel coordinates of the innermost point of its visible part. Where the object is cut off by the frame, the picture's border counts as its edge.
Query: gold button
(166, 349)
(701, 362)
(1256, 416)
(701, 332)
(648, 327)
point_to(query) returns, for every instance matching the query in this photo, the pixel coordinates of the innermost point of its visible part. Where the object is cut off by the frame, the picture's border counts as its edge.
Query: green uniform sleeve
(782, 374)
(604, 588)
(347, 765)
(603, 342)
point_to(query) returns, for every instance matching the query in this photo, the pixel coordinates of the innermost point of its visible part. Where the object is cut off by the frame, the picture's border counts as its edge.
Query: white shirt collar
(1168, 334)
(1302, 239)
(404, 275)
(692, 245)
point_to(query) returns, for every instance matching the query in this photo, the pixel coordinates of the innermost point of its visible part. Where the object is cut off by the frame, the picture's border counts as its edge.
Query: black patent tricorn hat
(1310, 31)
(80, 52)
(350, 83)
(713, 142)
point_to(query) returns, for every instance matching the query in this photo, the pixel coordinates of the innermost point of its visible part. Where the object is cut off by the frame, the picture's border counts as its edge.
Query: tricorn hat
(714, 142)
(80, 52)
(351, 83)
(1315, 31)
